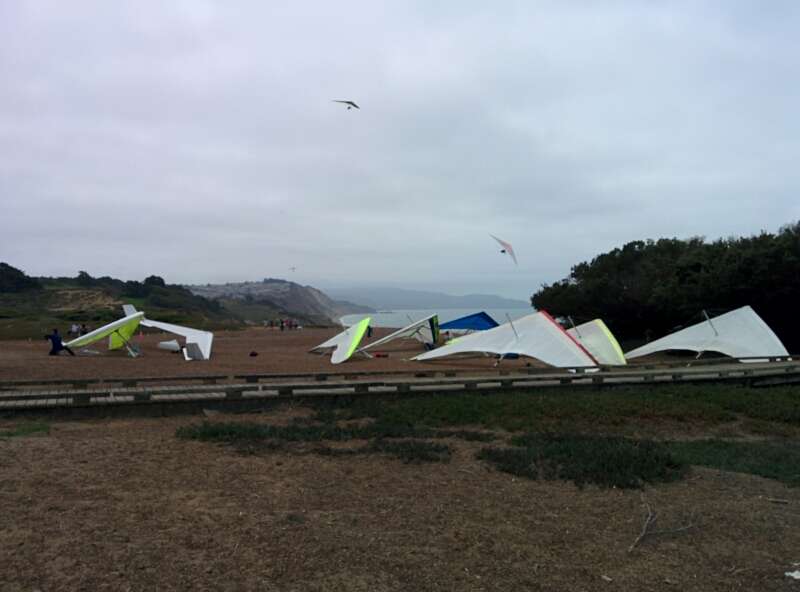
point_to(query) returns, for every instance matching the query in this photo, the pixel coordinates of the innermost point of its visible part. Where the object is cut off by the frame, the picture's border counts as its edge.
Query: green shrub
(603, 461)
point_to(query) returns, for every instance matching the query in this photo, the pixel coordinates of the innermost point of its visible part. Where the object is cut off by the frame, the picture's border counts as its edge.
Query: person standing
(57, 344)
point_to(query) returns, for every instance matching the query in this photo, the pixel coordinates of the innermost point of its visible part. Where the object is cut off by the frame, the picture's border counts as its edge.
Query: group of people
(283, 324)
(78, 330)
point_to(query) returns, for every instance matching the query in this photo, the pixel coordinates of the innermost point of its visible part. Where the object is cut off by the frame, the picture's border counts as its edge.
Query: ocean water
(396, 319)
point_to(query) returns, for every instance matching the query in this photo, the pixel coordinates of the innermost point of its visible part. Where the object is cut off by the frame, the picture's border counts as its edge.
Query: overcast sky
(198, 140)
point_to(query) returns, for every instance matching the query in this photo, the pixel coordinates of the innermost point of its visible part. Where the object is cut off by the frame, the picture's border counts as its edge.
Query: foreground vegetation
(33, 428)
(604, 438)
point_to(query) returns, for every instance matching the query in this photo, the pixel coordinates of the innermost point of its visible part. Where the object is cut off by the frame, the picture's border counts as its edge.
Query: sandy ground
(125, 505)
(278, 352)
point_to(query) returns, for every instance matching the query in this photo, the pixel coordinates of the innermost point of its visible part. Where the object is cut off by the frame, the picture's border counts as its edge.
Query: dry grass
(118, 505)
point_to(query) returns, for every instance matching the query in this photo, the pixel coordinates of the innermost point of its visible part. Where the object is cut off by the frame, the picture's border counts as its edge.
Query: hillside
(391, 298)
(257, 298)
(29, 307)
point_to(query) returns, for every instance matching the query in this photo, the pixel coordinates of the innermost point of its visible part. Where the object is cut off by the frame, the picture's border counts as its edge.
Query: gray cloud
(198, 141)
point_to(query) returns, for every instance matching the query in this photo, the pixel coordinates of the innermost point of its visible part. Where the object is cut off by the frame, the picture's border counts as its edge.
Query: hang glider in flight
(507, 248)
(350, 104)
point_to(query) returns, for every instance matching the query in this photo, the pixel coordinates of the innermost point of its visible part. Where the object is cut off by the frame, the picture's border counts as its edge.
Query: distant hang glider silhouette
(507, 248)
(350, 104)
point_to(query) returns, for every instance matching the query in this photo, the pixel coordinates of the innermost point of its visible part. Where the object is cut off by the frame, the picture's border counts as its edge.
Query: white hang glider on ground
(424, 330)
(740, 333)
(344, 344)
(535, 336)
(198, 343)
(596, 337)
(507, 248)
(119, 333)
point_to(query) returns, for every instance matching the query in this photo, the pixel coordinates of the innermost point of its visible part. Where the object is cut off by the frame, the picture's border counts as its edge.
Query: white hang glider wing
(425, 330)
(507, 248)
(119, 332)
(536, 336)
(345, 343)
(198, 343)
(600, 341)
(740, 333)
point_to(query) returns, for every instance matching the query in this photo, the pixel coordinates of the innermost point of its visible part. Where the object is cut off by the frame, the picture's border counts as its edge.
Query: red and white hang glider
(507, 248)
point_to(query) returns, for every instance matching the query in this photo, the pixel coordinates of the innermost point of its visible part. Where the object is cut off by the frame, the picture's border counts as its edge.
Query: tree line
(646, 289)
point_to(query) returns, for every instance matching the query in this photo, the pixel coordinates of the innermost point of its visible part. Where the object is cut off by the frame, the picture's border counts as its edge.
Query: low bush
(603, 461)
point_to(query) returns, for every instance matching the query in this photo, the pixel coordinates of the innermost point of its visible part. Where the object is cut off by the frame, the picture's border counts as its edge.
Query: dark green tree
(652, 287)
(154, 280)
(15, 280)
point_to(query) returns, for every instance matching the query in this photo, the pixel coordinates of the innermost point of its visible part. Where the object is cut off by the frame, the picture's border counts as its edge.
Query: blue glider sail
(480, 321)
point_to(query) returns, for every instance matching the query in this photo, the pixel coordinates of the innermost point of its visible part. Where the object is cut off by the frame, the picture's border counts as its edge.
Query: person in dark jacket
(57, 344)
